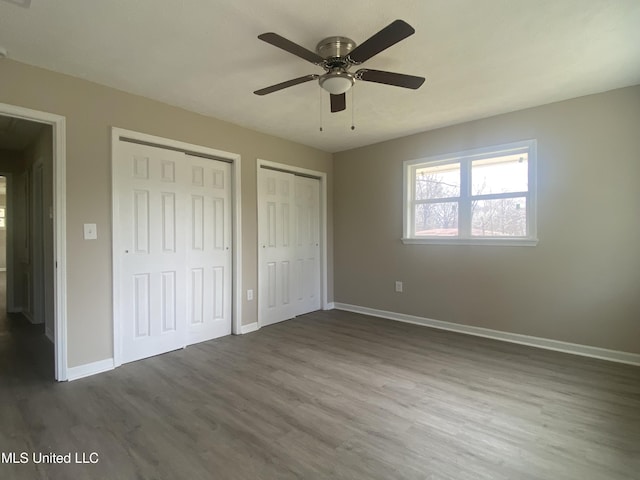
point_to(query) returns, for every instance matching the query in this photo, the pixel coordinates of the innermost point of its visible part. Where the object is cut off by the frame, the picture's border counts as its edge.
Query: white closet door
(175, 260)
(153, 282)
(275, 228)
(306, 249)
(208, 249)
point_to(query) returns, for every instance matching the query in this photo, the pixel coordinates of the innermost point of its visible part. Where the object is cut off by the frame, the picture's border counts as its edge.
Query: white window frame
(464, 159)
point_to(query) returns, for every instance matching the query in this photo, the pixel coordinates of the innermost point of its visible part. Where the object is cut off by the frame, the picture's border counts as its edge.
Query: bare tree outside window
(500, 217)
(506, 217)
(437, 218)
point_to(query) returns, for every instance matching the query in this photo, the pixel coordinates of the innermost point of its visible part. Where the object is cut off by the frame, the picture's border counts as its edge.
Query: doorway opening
(27, 312)
(50, 229)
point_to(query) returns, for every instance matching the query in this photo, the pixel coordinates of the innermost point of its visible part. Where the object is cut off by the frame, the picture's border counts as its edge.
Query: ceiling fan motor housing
(335, 47)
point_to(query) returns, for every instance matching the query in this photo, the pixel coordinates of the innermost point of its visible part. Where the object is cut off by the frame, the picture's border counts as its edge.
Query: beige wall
(580, 284)
(91, 110)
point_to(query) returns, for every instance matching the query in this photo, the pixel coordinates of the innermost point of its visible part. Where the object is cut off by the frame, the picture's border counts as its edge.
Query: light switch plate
(90, 231)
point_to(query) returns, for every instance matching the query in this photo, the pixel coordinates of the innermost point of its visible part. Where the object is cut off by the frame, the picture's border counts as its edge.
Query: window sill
(506, 242)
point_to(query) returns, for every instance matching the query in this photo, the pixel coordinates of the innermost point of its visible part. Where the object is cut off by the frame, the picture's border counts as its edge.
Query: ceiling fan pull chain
(353, 126)
(320, 97)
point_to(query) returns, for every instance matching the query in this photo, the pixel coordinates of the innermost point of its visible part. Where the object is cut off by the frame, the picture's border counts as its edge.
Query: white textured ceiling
(480, 57)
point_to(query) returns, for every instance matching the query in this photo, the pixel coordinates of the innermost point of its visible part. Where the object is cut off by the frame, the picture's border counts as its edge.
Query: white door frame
(58, 124)
(236, 225)
(323, 221)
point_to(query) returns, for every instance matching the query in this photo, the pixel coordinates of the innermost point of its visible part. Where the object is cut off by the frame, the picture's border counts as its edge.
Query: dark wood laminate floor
(331, 395)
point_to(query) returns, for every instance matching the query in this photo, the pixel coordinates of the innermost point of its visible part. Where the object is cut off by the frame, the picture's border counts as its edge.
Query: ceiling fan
(337, 55)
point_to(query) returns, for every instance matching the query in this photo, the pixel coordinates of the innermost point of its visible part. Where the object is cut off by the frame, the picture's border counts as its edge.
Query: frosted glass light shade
(336, 83)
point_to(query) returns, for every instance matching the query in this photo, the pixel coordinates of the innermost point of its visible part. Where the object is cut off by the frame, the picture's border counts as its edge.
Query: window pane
(440, 181)
(436, 219)
(504, 217)
(504, 174)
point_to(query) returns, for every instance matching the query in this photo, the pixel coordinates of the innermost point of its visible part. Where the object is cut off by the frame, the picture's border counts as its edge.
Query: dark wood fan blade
(389, 35)
(287, 84)
(338, 102)
(288, 46)
(390, 78)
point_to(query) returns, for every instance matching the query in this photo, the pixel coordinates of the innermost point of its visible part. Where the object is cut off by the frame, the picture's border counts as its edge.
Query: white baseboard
(3, 269)
(252, 327)
(329, 306)
(81, 371)
(546, 343)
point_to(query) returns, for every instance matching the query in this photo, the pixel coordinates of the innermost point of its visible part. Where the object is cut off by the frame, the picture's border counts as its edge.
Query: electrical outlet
(249, 294)
(398, 286)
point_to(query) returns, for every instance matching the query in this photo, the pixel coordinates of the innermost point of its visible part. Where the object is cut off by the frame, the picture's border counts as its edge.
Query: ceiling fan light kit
(336, 55)
(336, 82)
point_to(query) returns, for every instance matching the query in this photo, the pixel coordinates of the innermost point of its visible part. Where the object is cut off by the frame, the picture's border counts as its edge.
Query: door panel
(168, 301)
(275, 191)
(153, 280)
(209, 249)
(307, 244)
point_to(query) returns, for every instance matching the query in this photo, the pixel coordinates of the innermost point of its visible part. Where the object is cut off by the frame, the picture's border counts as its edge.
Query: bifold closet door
(153, 283)
(175, 258)
(208, 250)
(275, 212)
(288, 240)
(306, 249)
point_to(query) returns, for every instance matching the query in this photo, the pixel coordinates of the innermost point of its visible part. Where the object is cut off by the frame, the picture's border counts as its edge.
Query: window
(484, 196)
